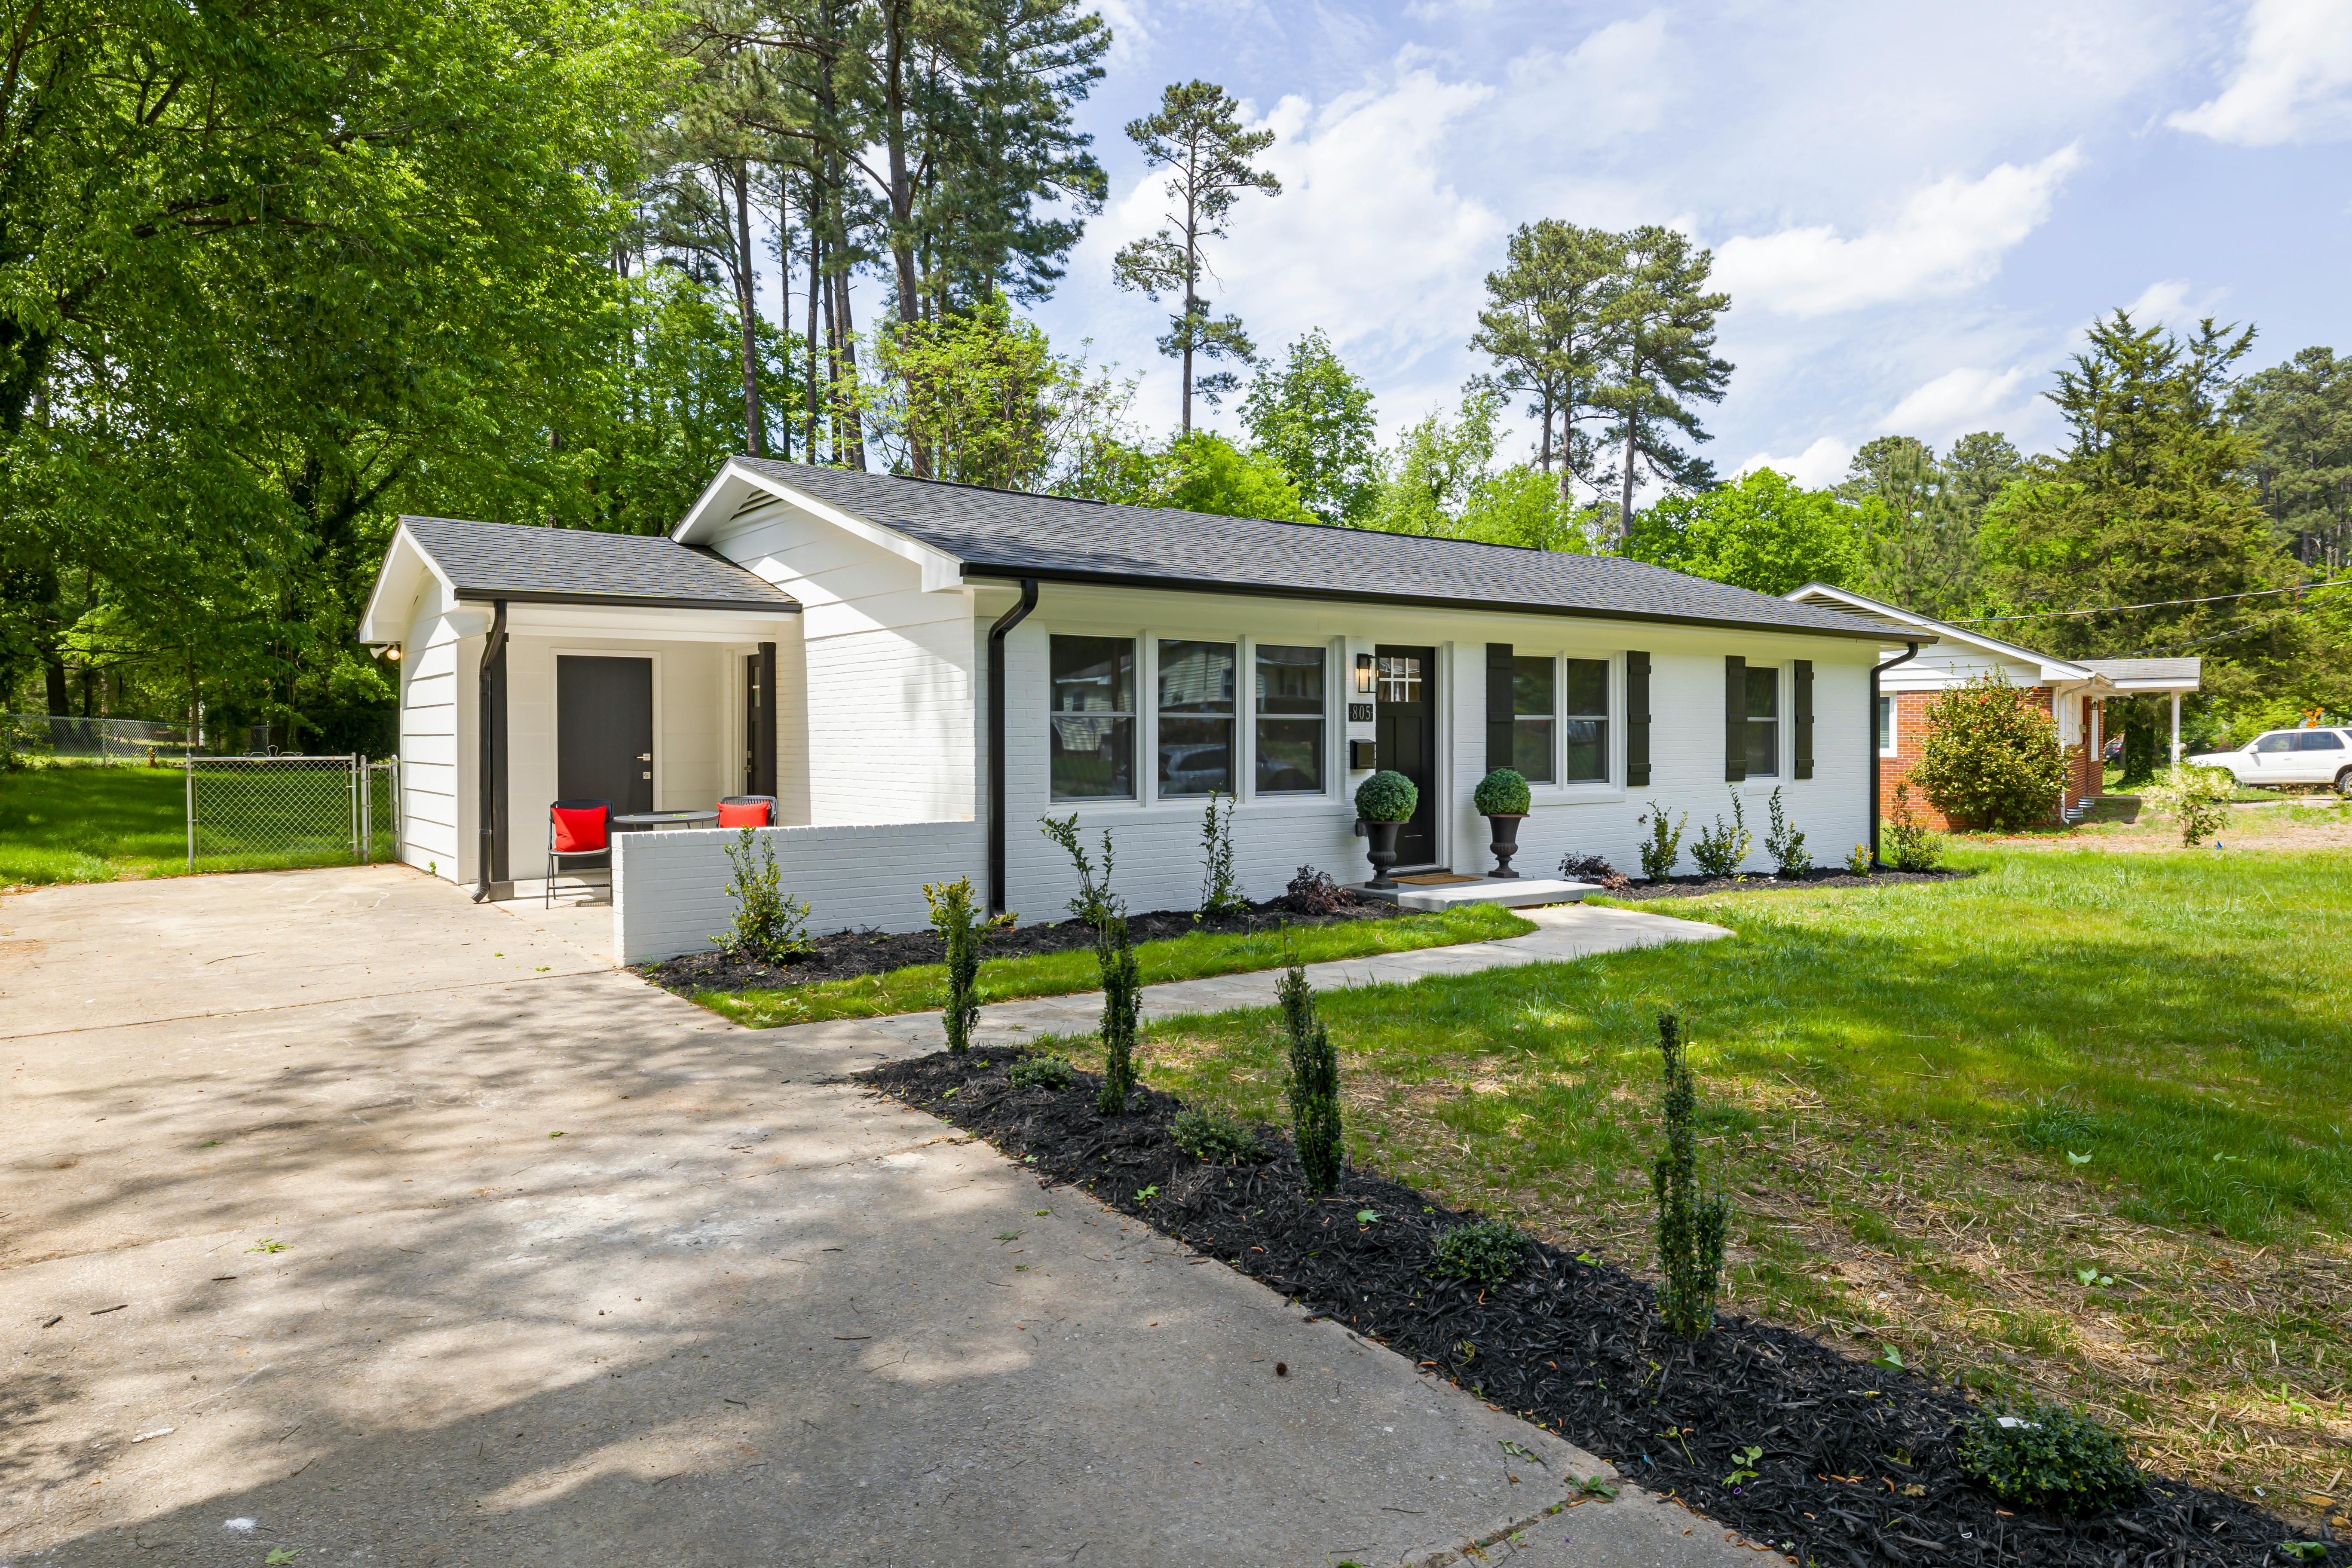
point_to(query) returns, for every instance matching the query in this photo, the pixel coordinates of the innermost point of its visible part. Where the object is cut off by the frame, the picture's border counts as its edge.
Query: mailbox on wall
(1363, 754)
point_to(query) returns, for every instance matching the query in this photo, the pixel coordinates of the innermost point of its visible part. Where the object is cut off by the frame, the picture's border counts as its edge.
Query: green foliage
(1543, 327)
(770, 925)
(1760, 532)
(1785, 844)
(1720, 848)
(1484, 1252)
(1664, 847)
(980, 394)
(1040, 1072)
(1857, 863)
(1658, 323)
(1910, 845)
(1691, 1228)
(1205, 472)
(1438, 464)
(2299, 414)
(1313, 415)
(1314, 1085)
(2045, 1455)
(1920, 517)
(1094, 903)
(1387, 797)
(955, 917)
(1218, 894)
(2198, 799)
(1503, 792)
(1991, 757)
(1122, 1009)
(1213, 1139)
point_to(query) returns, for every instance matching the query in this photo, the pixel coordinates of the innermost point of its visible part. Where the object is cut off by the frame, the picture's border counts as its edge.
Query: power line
(2157, 604)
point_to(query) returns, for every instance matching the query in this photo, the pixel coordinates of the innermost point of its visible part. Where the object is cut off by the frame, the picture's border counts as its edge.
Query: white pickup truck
(2289, 757)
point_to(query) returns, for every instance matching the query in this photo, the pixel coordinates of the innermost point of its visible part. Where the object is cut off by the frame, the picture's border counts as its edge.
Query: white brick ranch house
(918, 671)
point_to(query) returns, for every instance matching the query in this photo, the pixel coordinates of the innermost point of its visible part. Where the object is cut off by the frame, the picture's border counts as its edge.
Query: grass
(92, 823)
(1935, 1106)
(923, 986)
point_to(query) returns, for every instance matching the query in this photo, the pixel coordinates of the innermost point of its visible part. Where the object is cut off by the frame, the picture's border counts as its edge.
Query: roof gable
(1906, 625)
(574, 565)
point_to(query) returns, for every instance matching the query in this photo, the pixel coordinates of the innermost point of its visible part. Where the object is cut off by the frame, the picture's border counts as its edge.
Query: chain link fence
(248, 814)
(113, 740)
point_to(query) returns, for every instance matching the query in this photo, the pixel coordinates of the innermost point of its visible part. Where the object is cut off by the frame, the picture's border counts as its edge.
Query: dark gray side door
(605, 731)
(1406, 716)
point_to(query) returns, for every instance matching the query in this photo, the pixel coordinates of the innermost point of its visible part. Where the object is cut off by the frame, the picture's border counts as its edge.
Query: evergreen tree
(1921, 551)
(1978, 467)
(1762, 532)
(1195, 135)
(1543, 325)
(1314, 415)
(2299, 416)
(1659, 324)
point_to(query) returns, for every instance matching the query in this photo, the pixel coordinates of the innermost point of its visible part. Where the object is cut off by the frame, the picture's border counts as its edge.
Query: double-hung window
(1289, 719)
(1533, 711)
(1196, 717)
(1587, 721)
(1763, 721)
(1092, 740)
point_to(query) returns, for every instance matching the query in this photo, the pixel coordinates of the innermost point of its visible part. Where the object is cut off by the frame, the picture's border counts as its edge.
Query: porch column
(2176, 728)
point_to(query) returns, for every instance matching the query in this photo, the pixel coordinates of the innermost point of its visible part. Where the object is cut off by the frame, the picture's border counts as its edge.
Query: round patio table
(652, 820)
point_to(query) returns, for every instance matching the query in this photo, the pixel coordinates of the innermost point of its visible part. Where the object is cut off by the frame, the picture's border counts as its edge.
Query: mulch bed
(1697, 886)
(846, 954)
(1859, 1463)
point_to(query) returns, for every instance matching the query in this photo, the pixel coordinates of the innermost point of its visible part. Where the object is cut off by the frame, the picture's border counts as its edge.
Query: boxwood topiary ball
(1503, 792)
(1387, 797)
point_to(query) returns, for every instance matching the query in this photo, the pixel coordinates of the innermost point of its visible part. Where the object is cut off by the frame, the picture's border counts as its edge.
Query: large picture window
(1586, 721)
(1533, 711)
(1093, 722)
(1196, 717)
(1290, 721)
(1763, 721)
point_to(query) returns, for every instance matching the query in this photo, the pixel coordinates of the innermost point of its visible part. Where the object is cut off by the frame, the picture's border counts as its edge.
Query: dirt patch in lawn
(1858, 1461)
(849, 954)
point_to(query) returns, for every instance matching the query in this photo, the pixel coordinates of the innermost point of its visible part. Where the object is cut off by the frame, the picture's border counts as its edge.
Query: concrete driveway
(344, 1216)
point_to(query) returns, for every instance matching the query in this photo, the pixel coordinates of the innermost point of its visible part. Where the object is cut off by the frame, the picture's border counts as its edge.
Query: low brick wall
(670, 889)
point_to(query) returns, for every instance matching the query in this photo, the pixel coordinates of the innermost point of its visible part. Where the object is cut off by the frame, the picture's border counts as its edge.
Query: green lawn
(923, 987)
(93, 824)
(1934, 1106)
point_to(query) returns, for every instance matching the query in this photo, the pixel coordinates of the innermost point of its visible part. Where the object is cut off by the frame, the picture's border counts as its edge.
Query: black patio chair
(576, 829)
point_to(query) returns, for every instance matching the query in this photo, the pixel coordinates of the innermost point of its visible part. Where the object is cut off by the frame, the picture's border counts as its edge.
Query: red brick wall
(1911, 738)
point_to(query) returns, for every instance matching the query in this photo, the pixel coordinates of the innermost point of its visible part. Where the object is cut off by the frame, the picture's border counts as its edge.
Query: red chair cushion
(751, 814)
(579, 829)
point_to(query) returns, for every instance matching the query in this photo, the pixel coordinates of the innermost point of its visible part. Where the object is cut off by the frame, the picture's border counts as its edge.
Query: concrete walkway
(346, 1216)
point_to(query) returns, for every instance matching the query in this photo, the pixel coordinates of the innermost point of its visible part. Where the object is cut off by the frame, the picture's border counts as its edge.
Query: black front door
(605, 731)
(1407, 735)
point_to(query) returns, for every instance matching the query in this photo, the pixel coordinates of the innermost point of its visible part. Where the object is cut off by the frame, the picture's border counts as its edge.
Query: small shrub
(1910, 846)
(2197, 798)
(1122, 1007)
(1719, 849)
(1664, 847)
(1785, 844)
(1485, 1252)
(1314, 1085)
(1387, 797)
(2045, 1455)
(770, 925)
(1503, 792)
(1991, 757)
(1094, 903)
(1858, 863)
(1040, 1072)
(954, 917)
(1217, 1140)
(1313, 892)
(1218, 894)
(1577, 867)
(1690, 1228)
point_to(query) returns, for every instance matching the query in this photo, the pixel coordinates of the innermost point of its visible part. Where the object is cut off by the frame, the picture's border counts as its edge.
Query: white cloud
(1616, 82)
(1949, 236)
(1962, 399)
(2293, 81)
(1823, 463)
(2164, 302)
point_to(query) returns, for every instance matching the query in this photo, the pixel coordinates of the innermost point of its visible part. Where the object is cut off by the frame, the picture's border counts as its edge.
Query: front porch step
(1517, 892)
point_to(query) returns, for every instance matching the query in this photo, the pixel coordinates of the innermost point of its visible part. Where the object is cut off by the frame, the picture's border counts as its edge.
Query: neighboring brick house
(2074, 691)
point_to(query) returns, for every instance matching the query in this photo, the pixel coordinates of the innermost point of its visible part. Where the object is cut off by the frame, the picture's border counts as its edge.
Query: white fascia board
(724, 498)
(2053, 669)
(395, 589)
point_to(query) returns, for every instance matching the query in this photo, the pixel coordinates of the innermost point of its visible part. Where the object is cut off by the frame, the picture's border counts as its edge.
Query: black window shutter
(1804, 718)
(1735, 718)
(1498, 705)
(1637, 720)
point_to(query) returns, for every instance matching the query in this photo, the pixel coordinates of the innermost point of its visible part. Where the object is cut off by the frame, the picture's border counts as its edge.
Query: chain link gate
(251, 813)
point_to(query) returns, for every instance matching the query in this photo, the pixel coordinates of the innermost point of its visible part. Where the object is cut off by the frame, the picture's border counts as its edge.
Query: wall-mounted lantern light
(1363, 674)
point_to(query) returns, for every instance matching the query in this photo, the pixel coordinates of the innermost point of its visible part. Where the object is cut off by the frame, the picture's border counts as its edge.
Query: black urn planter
(1381, 849)
(1505, 830)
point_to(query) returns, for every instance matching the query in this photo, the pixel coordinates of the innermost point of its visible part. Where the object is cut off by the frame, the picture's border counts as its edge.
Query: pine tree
(1659, 321)
(1543, 326)
(1922, 552)
(2299, 416)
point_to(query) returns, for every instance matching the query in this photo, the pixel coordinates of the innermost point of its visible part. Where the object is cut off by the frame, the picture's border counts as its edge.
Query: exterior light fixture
(1363, 674)
(393, 653)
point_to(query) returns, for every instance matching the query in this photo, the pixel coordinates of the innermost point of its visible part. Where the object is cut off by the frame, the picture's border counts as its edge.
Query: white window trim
(1894, 723)
(1784, 740)
(1143, 781)
(1333, 653)
(1585, 792)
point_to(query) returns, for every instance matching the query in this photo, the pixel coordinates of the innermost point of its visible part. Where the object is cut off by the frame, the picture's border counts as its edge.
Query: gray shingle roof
(496, 560)
(2189, 669)
(999, 533)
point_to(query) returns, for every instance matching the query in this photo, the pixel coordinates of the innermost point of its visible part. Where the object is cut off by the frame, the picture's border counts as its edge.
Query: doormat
(1437, 880)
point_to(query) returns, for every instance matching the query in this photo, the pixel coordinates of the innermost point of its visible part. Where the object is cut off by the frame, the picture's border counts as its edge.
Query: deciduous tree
(1313, 415)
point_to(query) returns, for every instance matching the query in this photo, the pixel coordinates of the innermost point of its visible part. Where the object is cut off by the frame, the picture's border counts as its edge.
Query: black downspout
(1004, 622)
(1876, 762)
(490, 842)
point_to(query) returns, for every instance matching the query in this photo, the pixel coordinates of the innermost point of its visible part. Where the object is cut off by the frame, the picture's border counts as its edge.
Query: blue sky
(1916, 208)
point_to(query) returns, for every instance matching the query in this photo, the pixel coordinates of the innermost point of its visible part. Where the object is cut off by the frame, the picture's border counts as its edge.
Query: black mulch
(1695, 887)
(846, 954)
(1858, 1465)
